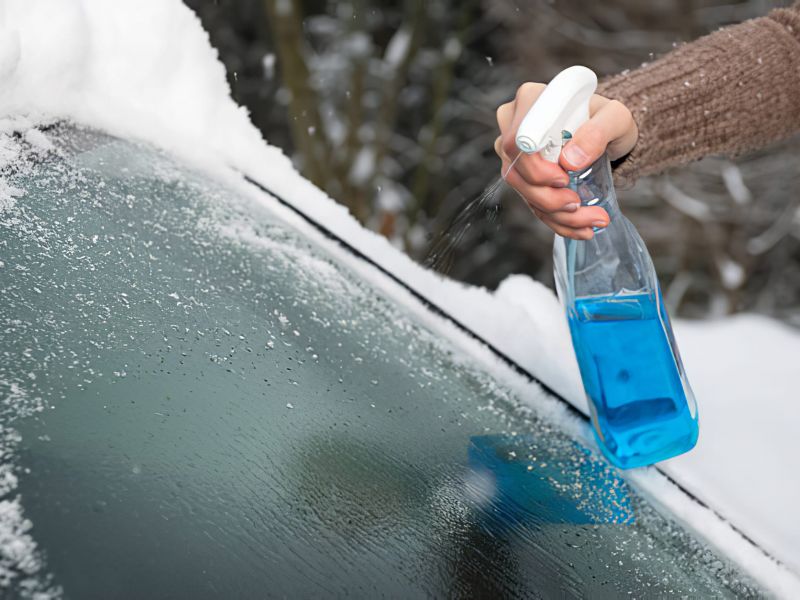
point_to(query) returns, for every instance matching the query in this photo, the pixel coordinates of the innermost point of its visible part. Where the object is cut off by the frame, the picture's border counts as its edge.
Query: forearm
(734, 90)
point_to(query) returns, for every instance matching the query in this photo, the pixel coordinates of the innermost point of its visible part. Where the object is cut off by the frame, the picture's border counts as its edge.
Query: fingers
(585, 233)
(581, 231)
(542, 197)
(559, 208)
(585, 216)
(510, 115)
(498, 148)
(505, 114)
(611, 126)
(533, 169)
(578, 225)
(536, 170)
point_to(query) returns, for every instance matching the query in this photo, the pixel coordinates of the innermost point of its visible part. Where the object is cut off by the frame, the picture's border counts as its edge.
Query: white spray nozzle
(563, 105)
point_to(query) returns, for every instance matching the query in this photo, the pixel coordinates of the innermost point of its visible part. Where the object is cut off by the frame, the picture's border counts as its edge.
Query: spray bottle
(642, 407)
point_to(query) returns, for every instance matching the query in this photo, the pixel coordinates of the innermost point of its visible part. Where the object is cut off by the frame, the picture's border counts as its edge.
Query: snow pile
(144, 69)
(744, 372)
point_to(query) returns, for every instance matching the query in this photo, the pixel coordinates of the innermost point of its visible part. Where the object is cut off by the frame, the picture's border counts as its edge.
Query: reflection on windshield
(226, 412)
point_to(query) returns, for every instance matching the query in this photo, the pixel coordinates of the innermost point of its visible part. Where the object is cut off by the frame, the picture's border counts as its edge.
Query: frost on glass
(204, 405)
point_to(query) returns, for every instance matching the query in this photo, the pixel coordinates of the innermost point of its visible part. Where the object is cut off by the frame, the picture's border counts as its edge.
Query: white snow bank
(744, 372)
(145, 69)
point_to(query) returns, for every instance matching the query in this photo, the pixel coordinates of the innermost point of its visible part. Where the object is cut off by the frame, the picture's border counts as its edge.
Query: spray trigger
(563, 106)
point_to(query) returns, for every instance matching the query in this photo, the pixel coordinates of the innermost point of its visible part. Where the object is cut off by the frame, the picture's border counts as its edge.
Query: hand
(542, 183)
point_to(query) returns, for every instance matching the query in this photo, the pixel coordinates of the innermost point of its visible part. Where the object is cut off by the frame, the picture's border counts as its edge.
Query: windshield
(200, 402)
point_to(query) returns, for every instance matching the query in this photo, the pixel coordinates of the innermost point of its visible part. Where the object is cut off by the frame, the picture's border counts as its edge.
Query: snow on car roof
(146, 70)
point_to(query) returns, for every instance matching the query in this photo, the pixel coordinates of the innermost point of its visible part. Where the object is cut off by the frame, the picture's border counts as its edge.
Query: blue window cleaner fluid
(642, 407)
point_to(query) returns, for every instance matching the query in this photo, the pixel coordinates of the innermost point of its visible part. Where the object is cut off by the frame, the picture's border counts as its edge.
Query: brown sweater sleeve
(734, 90)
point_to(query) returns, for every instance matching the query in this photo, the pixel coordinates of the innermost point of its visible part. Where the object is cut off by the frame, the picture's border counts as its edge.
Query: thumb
(585, 147)
(611, 125)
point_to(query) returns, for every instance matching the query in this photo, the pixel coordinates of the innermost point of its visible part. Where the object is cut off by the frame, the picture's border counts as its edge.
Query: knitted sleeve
(734, 90)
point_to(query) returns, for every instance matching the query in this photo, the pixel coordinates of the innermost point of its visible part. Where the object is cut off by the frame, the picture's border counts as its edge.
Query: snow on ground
(744, 372)
(145, 69)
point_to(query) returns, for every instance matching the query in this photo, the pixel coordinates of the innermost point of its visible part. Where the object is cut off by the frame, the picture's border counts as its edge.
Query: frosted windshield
(199, 402)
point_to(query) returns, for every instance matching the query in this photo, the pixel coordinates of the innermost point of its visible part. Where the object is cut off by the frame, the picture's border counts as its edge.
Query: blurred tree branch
(423, 201)
(285, 20)
(413, 29)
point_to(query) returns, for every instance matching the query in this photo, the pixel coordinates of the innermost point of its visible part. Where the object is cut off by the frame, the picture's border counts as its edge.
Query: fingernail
(571, 207)
(558, 184)
(587, 234)
(599, 223)
(575, 155)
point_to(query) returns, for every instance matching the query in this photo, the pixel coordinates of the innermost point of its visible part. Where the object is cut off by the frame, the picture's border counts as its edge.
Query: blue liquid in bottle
(643, 409)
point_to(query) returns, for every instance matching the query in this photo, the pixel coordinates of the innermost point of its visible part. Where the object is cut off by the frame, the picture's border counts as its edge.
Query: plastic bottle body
(643, 408)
